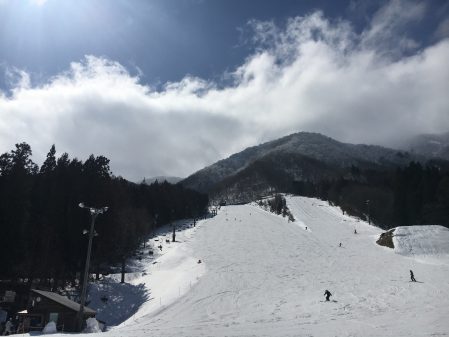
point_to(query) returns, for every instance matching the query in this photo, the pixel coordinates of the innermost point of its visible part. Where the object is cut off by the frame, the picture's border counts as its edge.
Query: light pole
(94, 212)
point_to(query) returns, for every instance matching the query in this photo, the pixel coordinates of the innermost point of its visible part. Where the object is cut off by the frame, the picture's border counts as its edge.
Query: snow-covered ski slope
(427, 244)
(264, 276)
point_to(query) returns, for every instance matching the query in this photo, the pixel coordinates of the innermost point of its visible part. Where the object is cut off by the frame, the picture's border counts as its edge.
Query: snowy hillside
(264, 276)
(306, 146)
(431, 145)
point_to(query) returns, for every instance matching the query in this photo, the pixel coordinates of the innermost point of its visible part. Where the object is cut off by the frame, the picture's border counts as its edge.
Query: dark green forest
(417, 194)
(41, 225)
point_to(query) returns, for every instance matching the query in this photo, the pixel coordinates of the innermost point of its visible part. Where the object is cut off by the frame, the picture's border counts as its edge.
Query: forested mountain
(431, 145)
(41, 224)
(392, 187)
(297, 156)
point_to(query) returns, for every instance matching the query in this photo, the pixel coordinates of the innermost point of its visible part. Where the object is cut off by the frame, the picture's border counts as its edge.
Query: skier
(412, 277)
(340, 244)
(355, 231)
(328, 294)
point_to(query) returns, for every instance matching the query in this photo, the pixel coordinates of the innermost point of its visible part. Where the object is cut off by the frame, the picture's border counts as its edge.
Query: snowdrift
(427, 244)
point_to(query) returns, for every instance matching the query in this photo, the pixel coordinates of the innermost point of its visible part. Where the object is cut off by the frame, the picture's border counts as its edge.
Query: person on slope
(328, 294)
(412, 276)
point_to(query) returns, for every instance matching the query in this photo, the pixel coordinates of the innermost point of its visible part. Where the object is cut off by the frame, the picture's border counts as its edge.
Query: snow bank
(50, 328)
(115, 302)
(427, 244)
(92, 326)
(173, 272)
(152, 282)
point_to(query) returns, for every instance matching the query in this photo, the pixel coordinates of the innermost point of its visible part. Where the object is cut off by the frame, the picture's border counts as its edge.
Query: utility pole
(94, 212)
(369, 216)
(174, 227)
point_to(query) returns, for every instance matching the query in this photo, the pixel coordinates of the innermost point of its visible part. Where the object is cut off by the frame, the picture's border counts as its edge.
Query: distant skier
(355, 231)
(412, 276)
(328, 294)
(340, 244)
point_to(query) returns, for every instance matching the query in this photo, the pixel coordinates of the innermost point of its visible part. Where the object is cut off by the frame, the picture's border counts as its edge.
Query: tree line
(417, 194)
(41, 225)
(277, 205)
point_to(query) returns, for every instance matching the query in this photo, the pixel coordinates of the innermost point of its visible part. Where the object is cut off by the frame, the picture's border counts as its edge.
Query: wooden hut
(46, 306)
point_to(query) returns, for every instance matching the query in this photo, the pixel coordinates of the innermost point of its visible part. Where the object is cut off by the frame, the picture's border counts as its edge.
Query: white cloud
(312, 75)
(388, 25)
(17, 79)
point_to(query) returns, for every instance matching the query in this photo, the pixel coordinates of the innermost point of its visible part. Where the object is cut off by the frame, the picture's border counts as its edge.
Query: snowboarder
(412, 277)
(328, 294)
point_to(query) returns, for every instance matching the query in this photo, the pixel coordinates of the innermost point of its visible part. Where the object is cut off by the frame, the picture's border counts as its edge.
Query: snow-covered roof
(63, 301)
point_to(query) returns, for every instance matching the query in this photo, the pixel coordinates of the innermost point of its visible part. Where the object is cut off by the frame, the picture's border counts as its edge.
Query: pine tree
(49, 164)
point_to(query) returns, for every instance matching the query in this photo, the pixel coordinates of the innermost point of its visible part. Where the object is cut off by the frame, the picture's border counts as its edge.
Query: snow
(264, 276)
(92, 326)
(153, 283)
(50, 328)
(426, 244)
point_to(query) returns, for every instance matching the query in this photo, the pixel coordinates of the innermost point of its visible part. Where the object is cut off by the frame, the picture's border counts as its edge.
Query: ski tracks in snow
(265, 276)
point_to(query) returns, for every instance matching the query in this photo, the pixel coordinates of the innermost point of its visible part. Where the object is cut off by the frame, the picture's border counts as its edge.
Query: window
(35, 320)
(53, 317)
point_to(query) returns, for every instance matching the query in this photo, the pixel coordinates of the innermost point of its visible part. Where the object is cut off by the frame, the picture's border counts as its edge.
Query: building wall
(66, 317)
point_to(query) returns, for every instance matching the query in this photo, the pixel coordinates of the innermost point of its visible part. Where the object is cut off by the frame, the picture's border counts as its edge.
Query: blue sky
(164, 39)
(169, 86)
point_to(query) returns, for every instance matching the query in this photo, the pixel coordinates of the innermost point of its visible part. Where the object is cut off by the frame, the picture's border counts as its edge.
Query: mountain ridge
(296, 155)
(432, 145)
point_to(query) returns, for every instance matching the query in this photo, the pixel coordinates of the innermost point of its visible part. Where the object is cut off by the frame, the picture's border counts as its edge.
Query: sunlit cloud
(310, 75)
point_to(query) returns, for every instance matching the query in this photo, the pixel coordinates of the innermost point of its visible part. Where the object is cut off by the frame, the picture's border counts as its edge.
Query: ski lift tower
(94, 212)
